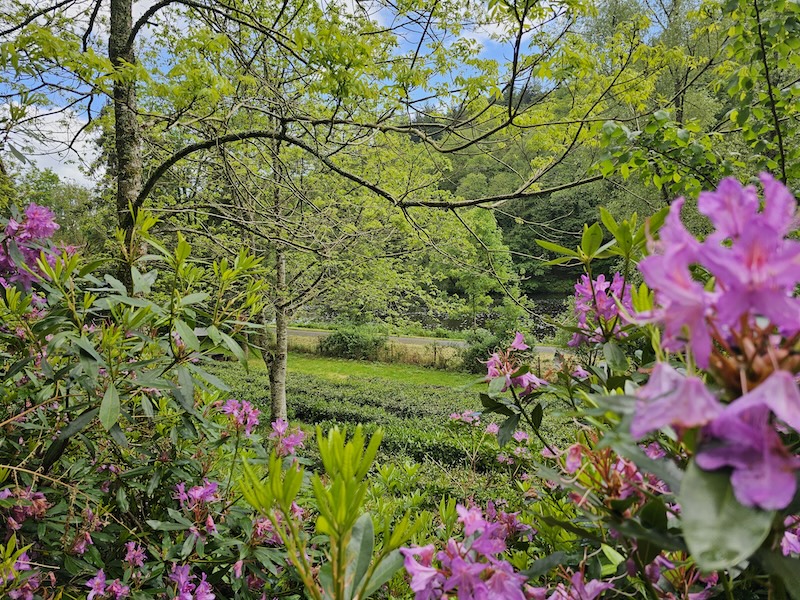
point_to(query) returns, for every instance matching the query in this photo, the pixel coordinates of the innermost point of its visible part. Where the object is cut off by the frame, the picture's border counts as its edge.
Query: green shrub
(357, 343)
(481, 344)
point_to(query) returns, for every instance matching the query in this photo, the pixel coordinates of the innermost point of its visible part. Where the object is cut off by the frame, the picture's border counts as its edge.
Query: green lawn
(337, 369)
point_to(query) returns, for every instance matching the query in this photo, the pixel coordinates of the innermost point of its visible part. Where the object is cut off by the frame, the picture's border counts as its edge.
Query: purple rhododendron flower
(118, 591)
(39, 222)
(763, 469)
(790, 544)
(426, 581)
(243, 414)
(505, 584)
(597, 310)
(580, 589)
(185, 586)
(672, 399)
(96, 585)
(134, 554)
(574, 458)
(286, 441)
(754, 265)
(519, 342)
(472, 518)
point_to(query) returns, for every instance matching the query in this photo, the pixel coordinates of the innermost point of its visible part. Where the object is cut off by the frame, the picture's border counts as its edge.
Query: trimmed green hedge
(414, 417)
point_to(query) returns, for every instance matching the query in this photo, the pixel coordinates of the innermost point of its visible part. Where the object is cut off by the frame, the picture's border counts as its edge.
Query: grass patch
(338, 369)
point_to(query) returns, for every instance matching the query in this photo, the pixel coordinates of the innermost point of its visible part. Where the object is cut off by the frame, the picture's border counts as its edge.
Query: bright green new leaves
(354, 568)
(719, 532)
(346, 463)
(628, 240)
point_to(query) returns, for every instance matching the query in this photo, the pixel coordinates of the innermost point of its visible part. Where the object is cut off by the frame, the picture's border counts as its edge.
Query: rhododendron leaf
(359, 553)
(143, 282)
(109, 407)
(118, 436)
(235, 348)
(91, 267)
(591, 239)
(507, 429)
(188, 545)
(556, 248)
(184, 391)
(491, 405)
(719, 532)
(496, 386)
(536, 416)
(654, 515)
(572, 528)
(193, 298)
(543, 565)
(608, 220)
(56, 449)
(166, 525)
(390, 564)
(615, 357)
(558, 261)
(788, 569)
(187, 335)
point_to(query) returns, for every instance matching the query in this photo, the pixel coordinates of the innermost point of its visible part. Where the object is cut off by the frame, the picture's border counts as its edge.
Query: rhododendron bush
(121, 453)
(127, 469)
(682, 482)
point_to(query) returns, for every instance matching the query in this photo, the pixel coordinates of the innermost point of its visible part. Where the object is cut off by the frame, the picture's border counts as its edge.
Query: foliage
(683, 477)
(358, 343)
(480, 344)
(350, 571)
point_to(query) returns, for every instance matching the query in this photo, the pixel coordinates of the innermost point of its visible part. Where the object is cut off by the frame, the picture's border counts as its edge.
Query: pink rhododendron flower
(672, 399)
(134, 554)
(574, 458)
(597, 310)
(286, 441)
(96, 585)
(519, 342)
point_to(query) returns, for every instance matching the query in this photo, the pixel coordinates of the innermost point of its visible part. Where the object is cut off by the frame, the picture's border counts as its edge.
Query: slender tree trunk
(277, 367)
(126, 124)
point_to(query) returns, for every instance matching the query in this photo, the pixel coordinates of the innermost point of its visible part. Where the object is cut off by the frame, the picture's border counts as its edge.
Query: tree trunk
(126, 124)
(277, 367)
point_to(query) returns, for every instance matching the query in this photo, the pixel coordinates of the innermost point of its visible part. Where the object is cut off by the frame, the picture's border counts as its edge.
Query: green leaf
(592, 239)
(490, 405)
(507, 429)
(788, 569)
(55, 449)
(608, 220)
(235, 348)
(556, 248)
(543, 565)
(720, 533)
(359, 553)
(109, 407)
(187, 335)
(193, 298)
(166, 526)
(390, 564)
(536, 415)
(496, 386)
(615, 357)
